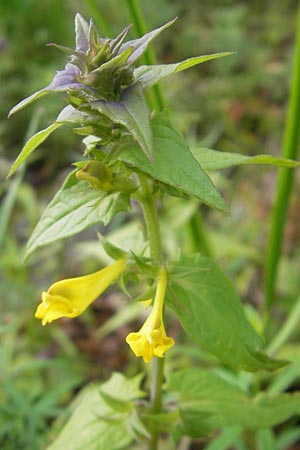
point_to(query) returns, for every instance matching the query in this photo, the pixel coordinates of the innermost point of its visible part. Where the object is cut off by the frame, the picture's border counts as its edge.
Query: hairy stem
(151, 220)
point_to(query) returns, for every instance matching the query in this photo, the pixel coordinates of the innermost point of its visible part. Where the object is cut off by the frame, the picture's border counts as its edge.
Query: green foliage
(173, 164)
(32, 144)
(213, 160)
(133, 154)
(74, 208)
(211, 314)
(207, 401)
(150, 75)
(30, 395)
(103, 416)
(132, 112)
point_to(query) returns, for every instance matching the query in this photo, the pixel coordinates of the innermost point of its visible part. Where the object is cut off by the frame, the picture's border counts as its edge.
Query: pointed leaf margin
(174, 164)
(140, 45)
(74, 208)
(149, 75)
(211, 313)
(35, 140)
(210, 159)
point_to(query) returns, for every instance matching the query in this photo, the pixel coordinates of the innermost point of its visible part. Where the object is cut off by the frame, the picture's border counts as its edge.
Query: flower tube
(152, 340)
(69, 298)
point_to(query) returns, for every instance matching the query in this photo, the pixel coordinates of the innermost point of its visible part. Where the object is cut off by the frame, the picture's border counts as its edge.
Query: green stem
(147, 201)
(98, 17)
(151, 221)
(157, 381)
(156, 398)
(157, 102)
(284, 184)
(134, 7)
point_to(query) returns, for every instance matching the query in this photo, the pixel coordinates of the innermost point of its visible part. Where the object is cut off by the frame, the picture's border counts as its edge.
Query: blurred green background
(235, 104)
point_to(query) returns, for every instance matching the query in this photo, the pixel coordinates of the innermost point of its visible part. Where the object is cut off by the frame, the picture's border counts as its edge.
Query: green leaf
(63, 81)
(149, 75)
(265, 439)
(174, 164)
(115, 403)
(225, 439)
(211, 313)
(208, 401)
(32, 144)
(28, 100)
(288, 438)
(75, 207)
(74, 116)
(140, 45)
(214, 160)
(122, 388)
(95, 424)
(115, 63)
(136, 426)
(132, 112)
(285, 378)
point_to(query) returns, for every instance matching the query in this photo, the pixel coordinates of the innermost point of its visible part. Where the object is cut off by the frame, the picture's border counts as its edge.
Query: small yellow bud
(97, 175)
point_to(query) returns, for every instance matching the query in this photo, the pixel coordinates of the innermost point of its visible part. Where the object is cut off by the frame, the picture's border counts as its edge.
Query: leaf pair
(76, 207)
(173, 164)
(104, 416)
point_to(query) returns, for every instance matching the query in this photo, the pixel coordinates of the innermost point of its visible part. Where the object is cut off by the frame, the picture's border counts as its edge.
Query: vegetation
(143, 232)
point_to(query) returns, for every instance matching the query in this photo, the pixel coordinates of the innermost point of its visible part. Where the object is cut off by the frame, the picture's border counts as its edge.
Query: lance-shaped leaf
(214, 160)
(207, 402)
(211, 313)
(75, 207)
(174, 164)
(149, 75)
(140, 45)
(32, 144)
(63, 80)
(132, 112)
(69, 115)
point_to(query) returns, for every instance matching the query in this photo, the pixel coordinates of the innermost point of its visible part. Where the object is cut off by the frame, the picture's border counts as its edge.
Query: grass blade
(284, 184)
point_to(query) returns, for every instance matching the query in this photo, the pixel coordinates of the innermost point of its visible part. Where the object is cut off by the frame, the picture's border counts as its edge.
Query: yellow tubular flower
(152, 340)
(69, 298)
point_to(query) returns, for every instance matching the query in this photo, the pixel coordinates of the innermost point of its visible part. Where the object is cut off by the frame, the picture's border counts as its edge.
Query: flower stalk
(153, 232)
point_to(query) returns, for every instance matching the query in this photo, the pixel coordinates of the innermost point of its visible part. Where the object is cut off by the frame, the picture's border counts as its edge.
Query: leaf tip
(173, 20)
(11, 170)
(11, 112)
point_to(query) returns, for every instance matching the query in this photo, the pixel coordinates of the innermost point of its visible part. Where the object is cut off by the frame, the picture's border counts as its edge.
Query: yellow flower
(69, 298)
(152, 340)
